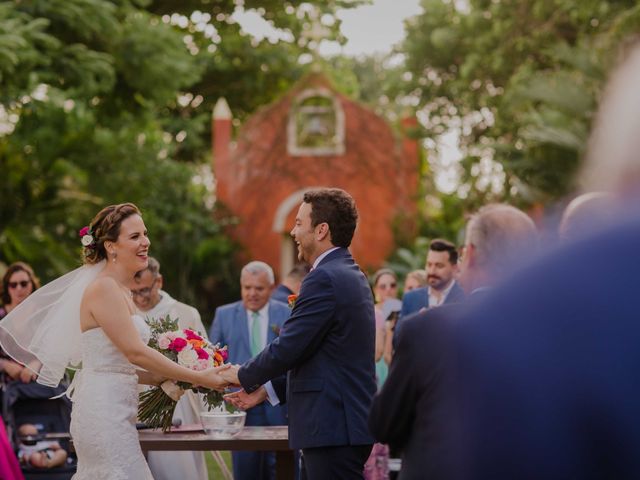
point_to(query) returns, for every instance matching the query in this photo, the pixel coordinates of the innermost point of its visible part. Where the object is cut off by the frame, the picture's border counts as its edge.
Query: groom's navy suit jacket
(327, 348)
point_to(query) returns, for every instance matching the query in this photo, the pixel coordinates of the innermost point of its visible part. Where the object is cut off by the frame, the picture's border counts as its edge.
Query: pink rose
(202, 354)
(224, 353)
(177, 344)
(191, 335)
(164, 341)
(83, 231)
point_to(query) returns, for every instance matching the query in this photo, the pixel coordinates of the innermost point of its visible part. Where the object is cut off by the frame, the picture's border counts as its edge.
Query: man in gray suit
(246, 327)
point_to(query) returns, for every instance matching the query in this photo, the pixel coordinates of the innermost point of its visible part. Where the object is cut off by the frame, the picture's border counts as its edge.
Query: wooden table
(275, 439)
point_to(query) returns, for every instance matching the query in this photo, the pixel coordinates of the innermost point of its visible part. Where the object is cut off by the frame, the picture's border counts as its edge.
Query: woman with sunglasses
(18, 283)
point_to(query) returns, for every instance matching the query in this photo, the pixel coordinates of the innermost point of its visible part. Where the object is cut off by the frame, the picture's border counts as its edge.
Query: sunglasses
(22, 283)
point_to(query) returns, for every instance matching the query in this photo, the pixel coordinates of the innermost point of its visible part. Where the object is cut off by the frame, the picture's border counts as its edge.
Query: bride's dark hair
(105, 226)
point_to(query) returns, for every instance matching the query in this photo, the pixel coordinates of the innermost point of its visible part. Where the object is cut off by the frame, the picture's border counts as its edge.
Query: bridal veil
(46, 325)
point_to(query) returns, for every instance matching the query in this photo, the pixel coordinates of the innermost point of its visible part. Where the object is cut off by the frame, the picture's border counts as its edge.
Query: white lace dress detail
(105, 407)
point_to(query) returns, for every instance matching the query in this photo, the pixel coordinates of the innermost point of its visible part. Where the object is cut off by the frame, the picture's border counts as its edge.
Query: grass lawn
(212, 466)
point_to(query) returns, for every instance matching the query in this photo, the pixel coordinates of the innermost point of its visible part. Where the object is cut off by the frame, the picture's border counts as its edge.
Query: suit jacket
(417, 299)
(230, 328)
(281, 294)
(547, 369)
(407, 411)
(327, 346)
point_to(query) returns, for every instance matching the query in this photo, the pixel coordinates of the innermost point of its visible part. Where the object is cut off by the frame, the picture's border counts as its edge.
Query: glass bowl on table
(222, 425)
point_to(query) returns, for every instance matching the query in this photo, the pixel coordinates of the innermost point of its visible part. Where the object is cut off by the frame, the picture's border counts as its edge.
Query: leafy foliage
(109, 101)
(519, 78)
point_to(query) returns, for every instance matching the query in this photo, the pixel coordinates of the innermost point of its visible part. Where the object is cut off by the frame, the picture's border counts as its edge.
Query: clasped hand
(219, 378)
(227, 376)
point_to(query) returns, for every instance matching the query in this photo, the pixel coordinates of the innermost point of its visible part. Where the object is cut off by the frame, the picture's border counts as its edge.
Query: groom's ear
(322, 231)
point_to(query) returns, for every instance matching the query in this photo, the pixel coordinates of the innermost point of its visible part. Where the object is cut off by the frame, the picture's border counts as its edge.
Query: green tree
(519, 78)
(108, 101)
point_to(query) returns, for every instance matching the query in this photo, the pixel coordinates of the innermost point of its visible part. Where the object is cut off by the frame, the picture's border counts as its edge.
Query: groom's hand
(231, 375)
(244, 400)
(213, 378)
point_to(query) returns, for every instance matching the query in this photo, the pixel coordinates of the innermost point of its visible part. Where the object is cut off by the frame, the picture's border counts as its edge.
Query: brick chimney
(221, 137)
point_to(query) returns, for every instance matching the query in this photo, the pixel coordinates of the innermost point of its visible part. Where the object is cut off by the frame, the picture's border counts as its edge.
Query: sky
(369, 29)
(374, 28)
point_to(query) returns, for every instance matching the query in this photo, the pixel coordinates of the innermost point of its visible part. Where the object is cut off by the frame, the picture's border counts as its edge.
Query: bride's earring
(115, 254)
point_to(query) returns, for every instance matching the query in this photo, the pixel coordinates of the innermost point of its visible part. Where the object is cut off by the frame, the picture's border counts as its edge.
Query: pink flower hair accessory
(86, 237)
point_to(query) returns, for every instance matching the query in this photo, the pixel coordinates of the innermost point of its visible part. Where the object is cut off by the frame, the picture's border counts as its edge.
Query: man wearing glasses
(155, 303)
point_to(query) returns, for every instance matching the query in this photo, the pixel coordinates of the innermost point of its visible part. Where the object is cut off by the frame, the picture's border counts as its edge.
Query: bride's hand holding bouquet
(190, 350)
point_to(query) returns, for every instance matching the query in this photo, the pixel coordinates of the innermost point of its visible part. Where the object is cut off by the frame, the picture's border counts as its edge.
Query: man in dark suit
(441, 267)
(246, 327)
(547, 371)
(547, 381)
(407, 412)
(326, 346)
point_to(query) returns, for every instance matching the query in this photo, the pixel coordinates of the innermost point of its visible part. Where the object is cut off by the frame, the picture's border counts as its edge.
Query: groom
(326, 347)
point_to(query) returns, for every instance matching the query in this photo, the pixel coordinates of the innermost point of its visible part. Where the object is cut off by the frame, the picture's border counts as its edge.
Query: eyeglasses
(385, 286)
(22, 283)
(144, 292)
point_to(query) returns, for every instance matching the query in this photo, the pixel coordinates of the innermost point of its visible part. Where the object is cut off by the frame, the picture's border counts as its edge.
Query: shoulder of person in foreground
(414, 367)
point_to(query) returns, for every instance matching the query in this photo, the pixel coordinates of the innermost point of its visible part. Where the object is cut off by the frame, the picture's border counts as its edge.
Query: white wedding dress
(105, 407)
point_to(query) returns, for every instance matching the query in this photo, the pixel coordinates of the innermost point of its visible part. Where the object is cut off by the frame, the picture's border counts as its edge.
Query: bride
(89, 315)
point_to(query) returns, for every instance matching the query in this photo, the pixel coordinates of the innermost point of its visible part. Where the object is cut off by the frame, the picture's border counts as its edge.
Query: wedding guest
(155, 303)
(406, 413)
(291, 283)
(385, 287)
(415, 279)
(586, 214)
(18, 282)
(547, 371)
(37, 452)
(246, 327)
(441, 267)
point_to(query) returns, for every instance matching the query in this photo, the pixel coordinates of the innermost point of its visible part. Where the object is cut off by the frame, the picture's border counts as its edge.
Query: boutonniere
(291, 299)
(275, 329)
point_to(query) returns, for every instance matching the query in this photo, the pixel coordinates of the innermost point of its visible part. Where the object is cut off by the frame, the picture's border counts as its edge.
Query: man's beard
(438, 282)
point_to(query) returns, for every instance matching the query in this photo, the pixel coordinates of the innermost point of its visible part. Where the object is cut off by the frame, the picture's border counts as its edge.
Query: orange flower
(196, 343)
(291, 299)
(218, 359)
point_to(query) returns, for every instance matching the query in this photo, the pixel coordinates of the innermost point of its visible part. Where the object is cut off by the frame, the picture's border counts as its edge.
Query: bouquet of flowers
(188, 349)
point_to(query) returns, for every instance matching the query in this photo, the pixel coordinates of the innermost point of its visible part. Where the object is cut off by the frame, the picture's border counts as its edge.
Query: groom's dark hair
(336, 208)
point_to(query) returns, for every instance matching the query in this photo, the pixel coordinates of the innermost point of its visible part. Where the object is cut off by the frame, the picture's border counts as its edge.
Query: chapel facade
(314, 136)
